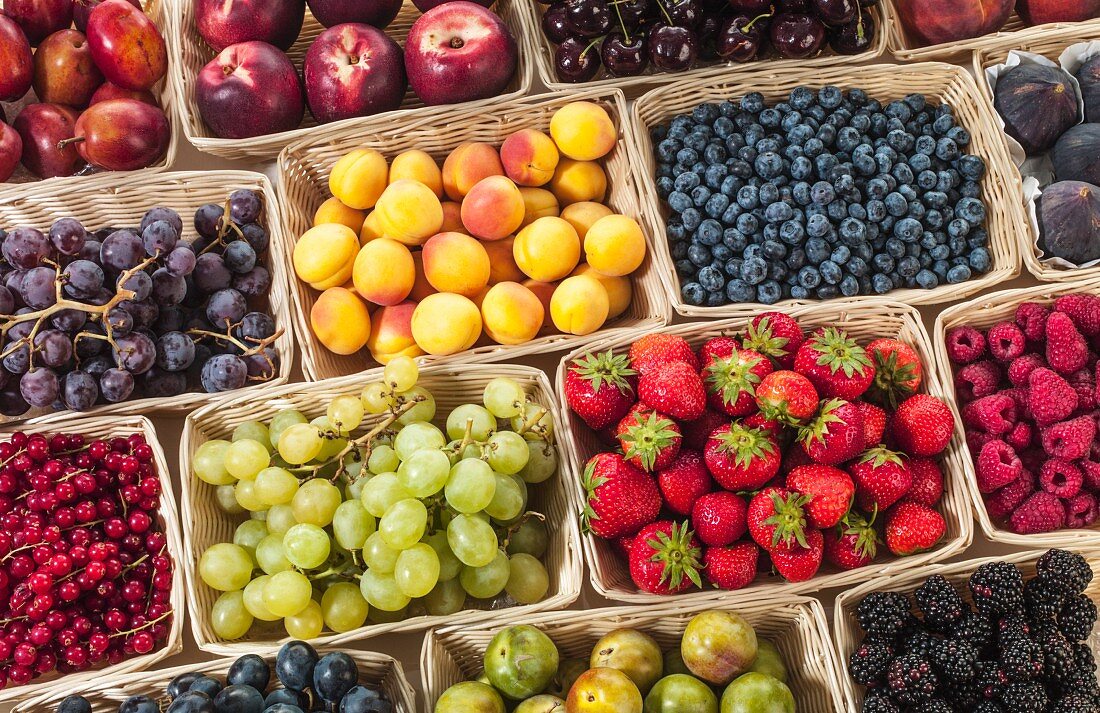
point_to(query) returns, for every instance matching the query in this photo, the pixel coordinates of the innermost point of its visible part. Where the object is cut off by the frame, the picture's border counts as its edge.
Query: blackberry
(997, 589)
(936, 705)
(940, 604)
(920, 642)
(1068, 567)
(879, 702)
(956, 660)
(990, 678)
(974, 629)
(1059, 663)
(1077, 618)
(1043, 598)
(868, 663)
(883, 614)
(1084, 660)
(1024, 698)
(911, 679)
(1073, 703)
(964, 696)
(988, 707)
(1021, 658)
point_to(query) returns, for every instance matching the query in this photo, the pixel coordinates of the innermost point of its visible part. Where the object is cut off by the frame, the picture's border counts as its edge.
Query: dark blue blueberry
(940, 268)
(865, 165)
(878, 124)
(884, 162)
(778, 212)
(886, 226)
(678, 250)
(716, 205)
(920, 162)
(796, 259)
(825, 163)
(696, 142)
(900, 141)
(818, 226)
(927, 279)
(947, 181)
(802, 98)
(712, 279)
(700, 195)
(817, 250)
(876, 189)
(827, 292)
(881, 283)
(849, 286)
(908, 230)
(679, 201)
(830, 97)
(809, 277)
(709, 232)
(667, 150)
(748, 223)
(768, 165)
(830, 272)
(943, 124)
(770, 118)
(705, 113)
(729, 215)
(958, 228)
(715, 299)
(957, 246)
(748, 197)
(691, 218)
(799, 292)
(686, 268)
(769, 193)
(971, 189)
(754, 270)
(847, 139)
(903, 173)
(730, 186)
(693, 293)
(741, 167)
(687, 156)
(971, 210)
(752, 102)
(801, 168)
(840, 254)
(699, 255)
(145, 704)
(896, 205)
(753, 250)
(738, 291)
(980, 260)
(778, 271)
(908, 266)
(837, 211)
(813, 147)
(916, 210)
(676, 231)
(857, 266)
(978, 238)
(927, 180)
(721, 253)
(732, 267)
(769, 292)
(715, 175)
(916, 102)
(947, 150)
(853, 231)
(908, 193)
(799, 134)
(940, 252)
(935, 199)
(767, 145)
(898, 110)
(664, 187)
(724, 127)
(883, 263)
(715, 154)
(791, 153)
(734, 239)
(773, 250)
(801, 193)
(823, 193)
(857, 211)
(959, 135)
(75, 704)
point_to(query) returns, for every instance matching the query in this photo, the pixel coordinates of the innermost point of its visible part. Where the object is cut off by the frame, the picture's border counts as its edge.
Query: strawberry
(912, 528)
(882, 477)
(684, 481)
(664, 558)
(777, 518)
(731, 381)
(874, 423)
(829, 490)
(719, 518)
(649, 440)
(698, 431)
(624, 544)
(835, 364)
(600, 388)
(717, 348)
(800, 563)
(898, 371)
(835, 434)
(675, 389)
(851, 544)
(786, 396)
(927, 488)
(656, 350)
(619, 498)
(742, 458)
(759, 420)
(775, 335)
(923, 425)
(732, 567)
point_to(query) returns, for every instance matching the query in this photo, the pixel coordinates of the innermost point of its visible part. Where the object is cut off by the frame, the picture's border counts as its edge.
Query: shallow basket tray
(982, 313)
(1001, 187)
(167, 518)
(796, 625)
(862, 319)
(106, 693)
(848, 633)
(190, 54)
(304, 169)
(206, 524)
(116, 201)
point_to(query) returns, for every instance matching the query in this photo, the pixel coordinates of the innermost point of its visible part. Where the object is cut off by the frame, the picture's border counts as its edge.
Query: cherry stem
(622, 23)
(146, 625)
(756, 19)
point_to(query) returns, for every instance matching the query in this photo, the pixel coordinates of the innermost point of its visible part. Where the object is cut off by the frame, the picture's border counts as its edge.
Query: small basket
(107, 693)
(982, 313)
(848, 633)
(304, 169)
(190, 54)
(862, 319)
(168, 519)
(796, 625)
(1001, 188)
(206, 524)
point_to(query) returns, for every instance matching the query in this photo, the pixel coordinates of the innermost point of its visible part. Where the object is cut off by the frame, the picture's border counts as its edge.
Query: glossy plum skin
(122, 135)
(16, 61)
(42, 127)
(40, 18)
(126, 45)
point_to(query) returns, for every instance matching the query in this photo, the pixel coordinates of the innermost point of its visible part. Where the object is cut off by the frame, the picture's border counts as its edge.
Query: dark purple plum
(797, 36)
(623, 57)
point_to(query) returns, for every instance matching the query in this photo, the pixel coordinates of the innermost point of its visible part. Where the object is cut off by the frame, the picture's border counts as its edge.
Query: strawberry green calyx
(646, 439)
(789, 519)
(732, 377)
(818, 428)
(745, 444)
(678, 555)
(590, 482)
(759, 338)
(880, 456)
(867, 539)
(893, 381)
(840, 352)
(604, 369)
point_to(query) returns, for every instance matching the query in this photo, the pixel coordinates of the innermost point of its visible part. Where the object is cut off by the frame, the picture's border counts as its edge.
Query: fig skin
(1069, 221)
(1076, 155)
(1038, 104)
(1088, 76)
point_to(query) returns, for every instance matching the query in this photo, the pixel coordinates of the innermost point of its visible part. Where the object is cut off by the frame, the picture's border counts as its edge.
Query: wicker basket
(864, 320)
(982, 313)
(848, 633)
(1001, 189)
(106, 693)
(169, 522)
(542, 49)
(304, 168)
(113, 200)
(796, 625)
(190, 54)
(206, 524)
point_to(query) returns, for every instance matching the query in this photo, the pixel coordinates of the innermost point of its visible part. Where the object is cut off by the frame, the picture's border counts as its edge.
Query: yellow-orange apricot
(421, 287)
(340, 321)
(583, 131)
(577, 181)
(384, 271)
(409, 212)
(493, 209)
(579, 305)
(529, 157)
(446, 323)
(419, 166)
(619, 289)
(322, 255)
(615, 245)
(466, 165)
(359, 178)
(392, 333)
(537, 203)
(582, 215)
(502, 264)
(545, 292)
(334, 211)
(371, 230)
(452, 218)
(511, 313)
(457, 263)
(547, 249)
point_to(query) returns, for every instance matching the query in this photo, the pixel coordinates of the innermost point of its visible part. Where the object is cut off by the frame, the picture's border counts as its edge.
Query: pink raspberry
(1021, 368)
(1091, 471)
(1066, 350)
(994, 414)
(1031, 317)
(965, 345)
(998, 465)
(1060, 478)
(1019, 397)
(1020, 436)
(1084, 384)
(1081, 510)
(1006, 342)
(927, 487)
(1001, 503)
(1050, 397)
(975, 440)
(1084, 310)
(1041, 512)
(1070, 439)
(974, 381)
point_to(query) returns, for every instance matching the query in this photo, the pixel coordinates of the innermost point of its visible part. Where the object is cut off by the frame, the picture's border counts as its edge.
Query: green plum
(769, 661)
(674, 662)
(634, 653)
(603, 690)
(680, 693)
(568, 671)
(718, 646)
(757, 693)
(470, 697)
(542, 703)
(521, 661)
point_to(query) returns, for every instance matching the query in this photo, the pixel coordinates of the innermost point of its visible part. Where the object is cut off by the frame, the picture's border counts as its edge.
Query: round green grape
(504, 397)
(417, 570)
(306, 624)
(377, 398)
(331, 443)
(542, 462)
(488, 581)
(471, 486)
(209, 463)
(508, 452)
(245, 458)
(225, 567)
(282, 421)
(270, 556)
(424, 410)
(280, 518)
(401, 373)
(417, 436)
(481, 422)
(316, 502)
(538, 430)
(226, 495)
(306, 546)
(345, 413)
(379, 556)
(343, 607)
(260, 515)
(252, 431)
(352, 525)
(300, 443)
(354, 489)
(528, 580)
(383, 459)
(425, 472)
(509, 499)
(449, 566)
(245, 492)
(381, 492)
(275, 486)
(448, 597)
(228, 617)
(248, 534)
(254, 599)
(287, 593)
(530, 538)
(472, 540)
(403, 524)
(381, 591)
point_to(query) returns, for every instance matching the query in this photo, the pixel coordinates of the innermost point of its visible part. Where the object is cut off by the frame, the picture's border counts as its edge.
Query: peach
(446, 323)
(577, 181)
(547, 249)
(502, 264)
(384, 272)
(466, 165)
(583, 131)
(421, 287)
(359, 178)
(452, 218)
(333, 211)
(493, 209)
(529, 157)
(537, 203)
(544, 291)
(619, 289)
(371, 230)
(582, 215)
(340, 321)
(580, 305)
(392, 333)
(614, 245)
(512, 314)
(457, 263)
(419, 166)
(324, 255)
(409, 212)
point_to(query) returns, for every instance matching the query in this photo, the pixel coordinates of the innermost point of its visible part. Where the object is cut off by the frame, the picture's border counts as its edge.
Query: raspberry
(1090, 469)
(927, 487)
(998, 465)
(1050, 397)
(1019, 397)
(1041, 512)
(1031, 317)
(1020, 436)
(976, 440)
(1066, 350)
(994, 414)
(1001, 503)
(1021, 368)
(1084, 310)
(965, 345)
(1006, 342)
(1068, 567)
(1071, 439)
(976, 380)
(1084, 384)
(1060, 478)
(1081, 510)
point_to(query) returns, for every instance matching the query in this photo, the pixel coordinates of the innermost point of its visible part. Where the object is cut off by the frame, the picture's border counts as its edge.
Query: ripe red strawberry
(835, 364)
(775, 335)
(600, 388)
(882, 477)
(851, 544)
(874, 423)
(898, 371)
(675, 389)
(912, 528)
(786, 396)
(829, 489)
(800, 563)
(922, 425)
(732, 380)
(656, 350)
(927, 488)
(742, 458)
(665, 558)
(719, 518)
(684, 481)
(649, 440)
(732, 567)
(759, 420)
(835, 434)
(777, 519)
(624, 544)
(698, 431)
(717, 348)
(619, 499)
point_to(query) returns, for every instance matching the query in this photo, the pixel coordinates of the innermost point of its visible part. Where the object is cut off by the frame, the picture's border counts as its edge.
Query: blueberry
(709, 232)
(916, 210)
(908, 230)
(752, 102)
(748, 197)
(907, 192)
(840, 254)
(693, 293)
(728, 109)
(881, 284)
(830, 272)
(877, 189)
(696, 142)
(699, 255)
(827, 292)
(957, 246)
(849, 286)
(978, 238)
(678, 250)
(799, 292)
(700, 195)
(691, 218)
(732, 268)
(813, 147)
(943, 124)
(959, 135)
(667, 150)
(802, 98)
(801, 193)
(678, 201)
(927, 180)
(908, 266)
(927, 279)
(903, 173)
(853, 231)
(664, 187)
(769, 193)
(857, 266)
(971, 210)
(801, 168)
(778, 271)
(865, 165)
(715, 175)
(721, 253)
(773, 250)
(883, 262)
(734, 239)
(958, 228)
(753, 250)
(711, 279)
(715, 154)
(724, 127)
(823, 193)
(940, 252)
(980, 260)
(748, 223)
(857, 211)
(769, 292)
(940, 268)
(676, 231)
(947, 149)
(896, 205)
(818, 226)
(738, 291)
(778, 212)
(809, 277)
(754, 270)
(900, 141)
(947, 181)
(768, 165)
(971, 189)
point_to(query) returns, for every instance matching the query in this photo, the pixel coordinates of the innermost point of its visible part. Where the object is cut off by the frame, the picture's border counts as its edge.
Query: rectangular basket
(1001, 188)
(864, 320)
(168, 519)
(105, 693)
(112, 200)
(796, 625)
(190, 54)
(848, 633)
(982, 313)
(304, 168)
(205, 524)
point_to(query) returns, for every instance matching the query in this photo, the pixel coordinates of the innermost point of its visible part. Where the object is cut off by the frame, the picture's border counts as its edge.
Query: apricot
(614, 245)
(359, 178)
(391, 335)
(333, 211)
(582, 215)
(371, 230)
(511, 313)
(409, 212)
(580, 305)
(529, 157)
(466, 165)
(547, 249)
(502, 264)
(619, 289)
(583, 131)
(421, 287)
(324, 254)
(446, 323)
(419, 166)
(493, 209)
(384, 272)
(544, 291)
(340, 321)
(537, 203)
(452, 218)
(457, 263)
(577, 181)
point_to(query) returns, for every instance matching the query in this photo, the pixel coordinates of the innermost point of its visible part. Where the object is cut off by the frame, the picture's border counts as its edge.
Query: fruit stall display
(94, 588)
(528, 309)
(633, 44)
(161, 300)
(697, 528)
(373, 563)
(421, 56)
(1004, 633)
(773, 656)
(366, 682)
(83, 89)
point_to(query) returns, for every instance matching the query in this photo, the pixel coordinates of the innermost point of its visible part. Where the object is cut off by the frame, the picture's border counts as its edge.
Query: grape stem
(364, 440)
(224, 225)
(257, 349)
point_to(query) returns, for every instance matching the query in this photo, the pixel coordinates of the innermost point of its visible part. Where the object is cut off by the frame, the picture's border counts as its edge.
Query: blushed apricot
(359, 178)
(502, 264)
(577, 181)
(334, 211)
(547, 249)
(493, 209)
(392, 333)
(452, 218)
(615, 245)
(384, 272)
(529, 157)
(371, 230)
(323, 254)
(582, 215)
(537, 203)
(545, 292)
(446, 323)
(579, 305)
(409, 212)
(511, 313)
(457, 263)
(340, 321)
(469, 163)
(583, 131)
(619, 289)
(419, 166)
